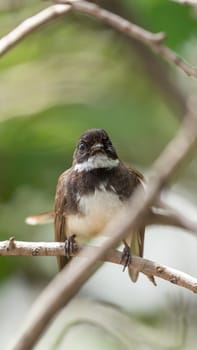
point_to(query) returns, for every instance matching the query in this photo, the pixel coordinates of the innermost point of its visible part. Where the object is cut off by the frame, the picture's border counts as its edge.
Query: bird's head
(95, 150)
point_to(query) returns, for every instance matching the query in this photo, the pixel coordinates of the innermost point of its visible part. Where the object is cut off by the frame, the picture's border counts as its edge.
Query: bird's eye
(108, 143)
(82, 147)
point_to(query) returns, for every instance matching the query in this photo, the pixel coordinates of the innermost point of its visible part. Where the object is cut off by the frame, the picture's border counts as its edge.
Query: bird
(91, 193)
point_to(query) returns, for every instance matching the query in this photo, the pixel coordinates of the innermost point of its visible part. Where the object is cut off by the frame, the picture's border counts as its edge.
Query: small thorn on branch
(11, 243)
(36, 251)
(174, 280)
(159, 269)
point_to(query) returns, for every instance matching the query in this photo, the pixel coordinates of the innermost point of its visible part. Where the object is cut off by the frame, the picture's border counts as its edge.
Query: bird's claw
(70, 246)
(126, 256)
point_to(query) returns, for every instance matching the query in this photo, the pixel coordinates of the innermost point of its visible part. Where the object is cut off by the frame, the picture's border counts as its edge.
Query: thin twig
(171, 217)
(148, 267)
(68, 282)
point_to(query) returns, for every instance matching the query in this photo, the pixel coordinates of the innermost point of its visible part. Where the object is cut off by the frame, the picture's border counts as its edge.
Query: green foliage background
(71, 75)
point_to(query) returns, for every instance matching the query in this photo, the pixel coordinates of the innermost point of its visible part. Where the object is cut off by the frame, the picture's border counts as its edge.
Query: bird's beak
(97, 148)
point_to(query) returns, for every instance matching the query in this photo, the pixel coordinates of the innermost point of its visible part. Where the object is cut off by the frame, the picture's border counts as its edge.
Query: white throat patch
(96, 162)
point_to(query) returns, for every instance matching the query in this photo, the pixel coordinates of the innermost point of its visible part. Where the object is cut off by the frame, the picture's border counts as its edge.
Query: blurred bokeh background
(71, 75)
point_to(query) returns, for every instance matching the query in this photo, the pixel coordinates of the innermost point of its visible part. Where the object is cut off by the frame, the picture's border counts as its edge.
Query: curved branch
(148, 267)
(154, 41)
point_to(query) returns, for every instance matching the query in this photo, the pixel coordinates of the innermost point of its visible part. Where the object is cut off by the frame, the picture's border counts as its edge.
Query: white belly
(97, 208)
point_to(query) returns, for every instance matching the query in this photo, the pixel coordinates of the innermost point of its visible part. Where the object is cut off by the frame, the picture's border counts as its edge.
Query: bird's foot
(126, 256)
(71, 246)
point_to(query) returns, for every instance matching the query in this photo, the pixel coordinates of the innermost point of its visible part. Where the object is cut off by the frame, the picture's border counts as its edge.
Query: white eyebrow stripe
(96, 162)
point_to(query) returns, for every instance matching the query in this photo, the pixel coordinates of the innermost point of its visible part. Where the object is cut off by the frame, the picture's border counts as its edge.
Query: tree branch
(154, 41)
(170, 217)
(148, 267)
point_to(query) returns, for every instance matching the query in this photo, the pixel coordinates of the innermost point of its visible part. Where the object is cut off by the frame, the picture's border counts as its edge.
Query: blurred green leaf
(177, 21)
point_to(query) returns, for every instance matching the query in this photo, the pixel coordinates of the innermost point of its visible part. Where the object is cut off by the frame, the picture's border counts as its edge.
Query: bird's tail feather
(137, 245)
(133, 272)
(40, 219)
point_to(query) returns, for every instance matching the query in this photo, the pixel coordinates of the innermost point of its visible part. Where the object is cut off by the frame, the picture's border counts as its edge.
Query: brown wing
(60, 217)
(139, 176)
